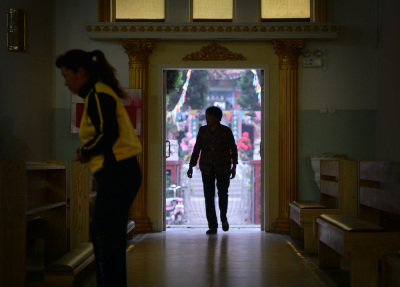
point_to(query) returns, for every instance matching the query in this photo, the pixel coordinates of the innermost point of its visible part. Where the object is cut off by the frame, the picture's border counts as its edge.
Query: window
(295, 10)
(212, 10)
(139, 10)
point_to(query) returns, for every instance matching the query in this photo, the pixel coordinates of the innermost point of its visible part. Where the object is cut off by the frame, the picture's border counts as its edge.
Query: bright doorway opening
(188, 93)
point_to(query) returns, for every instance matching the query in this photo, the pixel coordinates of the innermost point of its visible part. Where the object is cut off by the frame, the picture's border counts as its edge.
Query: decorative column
(139, 52)
(288, 52)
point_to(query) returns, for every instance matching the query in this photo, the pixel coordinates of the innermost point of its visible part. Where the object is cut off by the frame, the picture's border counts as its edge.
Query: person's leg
(223, 182)
(116, 192)
(106, 225)
(209, 195)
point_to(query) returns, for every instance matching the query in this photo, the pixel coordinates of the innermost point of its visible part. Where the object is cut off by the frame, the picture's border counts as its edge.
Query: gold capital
(138, 50)
(288, 51)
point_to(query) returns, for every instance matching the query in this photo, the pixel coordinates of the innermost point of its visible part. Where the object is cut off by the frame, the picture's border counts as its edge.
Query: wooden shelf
(45, 207)
(32, 165)
(32, 210)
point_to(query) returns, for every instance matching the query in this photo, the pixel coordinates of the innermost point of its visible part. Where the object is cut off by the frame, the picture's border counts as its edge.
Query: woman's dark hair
(215, 111)
(95, 63)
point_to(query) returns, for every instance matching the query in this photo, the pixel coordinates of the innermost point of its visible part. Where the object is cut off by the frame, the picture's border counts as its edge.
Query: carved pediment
(214, 52)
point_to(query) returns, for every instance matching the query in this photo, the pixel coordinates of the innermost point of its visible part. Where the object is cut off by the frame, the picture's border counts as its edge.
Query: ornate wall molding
(288, 51)
(214, 52)
(211, 31)
(138, 50)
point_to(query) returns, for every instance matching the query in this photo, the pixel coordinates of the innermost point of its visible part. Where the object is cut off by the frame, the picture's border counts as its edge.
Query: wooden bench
(62, 272)
(338, 194)
(366, 239)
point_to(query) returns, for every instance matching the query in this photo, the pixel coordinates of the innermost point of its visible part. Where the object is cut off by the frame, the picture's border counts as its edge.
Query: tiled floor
(244, 257)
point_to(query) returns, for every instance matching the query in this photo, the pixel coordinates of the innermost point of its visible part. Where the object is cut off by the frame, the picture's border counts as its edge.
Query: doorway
(239, 92)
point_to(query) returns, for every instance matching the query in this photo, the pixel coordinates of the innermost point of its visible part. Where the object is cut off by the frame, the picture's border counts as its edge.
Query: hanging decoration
(257, 86)
(173, 114)
(181, 121)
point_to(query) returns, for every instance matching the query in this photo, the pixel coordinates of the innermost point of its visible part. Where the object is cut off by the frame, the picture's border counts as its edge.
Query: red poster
(133, 105)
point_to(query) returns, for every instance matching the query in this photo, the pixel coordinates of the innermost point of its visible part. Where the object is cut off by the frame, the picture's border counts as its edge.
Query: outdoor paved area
(239, 201)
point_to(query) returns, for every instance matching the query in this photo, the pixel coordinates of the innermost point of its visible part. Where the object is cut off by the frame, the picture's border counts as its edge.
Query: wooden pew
(366, 239)
(62, 272)
(338, 194)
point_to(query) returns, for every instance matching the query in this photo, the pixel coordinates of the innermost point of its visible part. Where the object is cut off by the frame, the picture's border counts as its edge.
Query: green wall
(66, 142)
(351, 132)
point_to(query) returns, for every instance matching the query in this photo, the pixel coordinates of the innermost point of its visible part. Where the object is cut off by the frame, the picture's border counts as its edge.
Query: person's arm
(195, 154)
(79, 157)
(234, 154)
(233, 171)
(102, 113)
(190, 172)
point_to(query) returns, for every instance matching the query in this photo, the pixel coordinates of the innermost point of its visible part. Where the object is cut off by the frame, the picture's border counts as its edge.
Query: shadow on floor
(157, 254)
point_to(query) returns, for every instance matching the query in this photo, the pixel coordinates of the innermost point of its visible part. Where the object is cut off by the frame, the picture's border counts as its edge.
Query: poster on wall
(133, 105)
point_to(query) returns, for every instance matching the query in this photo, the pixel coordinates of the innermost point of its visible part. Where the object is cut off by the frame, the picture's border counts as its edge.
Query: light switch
(312, 62)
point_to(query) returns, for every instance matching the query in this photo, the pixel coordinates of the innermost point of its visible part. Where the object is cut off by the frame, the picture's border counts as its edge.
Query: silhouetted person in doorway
(218, 162)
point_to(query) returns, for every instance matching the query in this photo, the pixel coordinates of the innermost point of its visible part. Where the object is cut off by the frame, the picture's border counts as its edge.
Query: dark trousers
(117, 188)
(223, 182)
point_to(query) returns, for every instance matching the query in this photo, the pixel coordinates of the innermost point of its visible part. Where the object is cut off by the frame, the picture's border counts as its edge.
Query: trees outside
(197, 90)
(196, 95)
(248, 99)
(174, 83)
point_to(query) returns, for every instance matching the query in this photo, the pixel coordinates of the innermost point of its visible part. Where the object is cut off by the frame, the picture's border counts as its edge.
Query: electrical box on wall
(312, 62)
